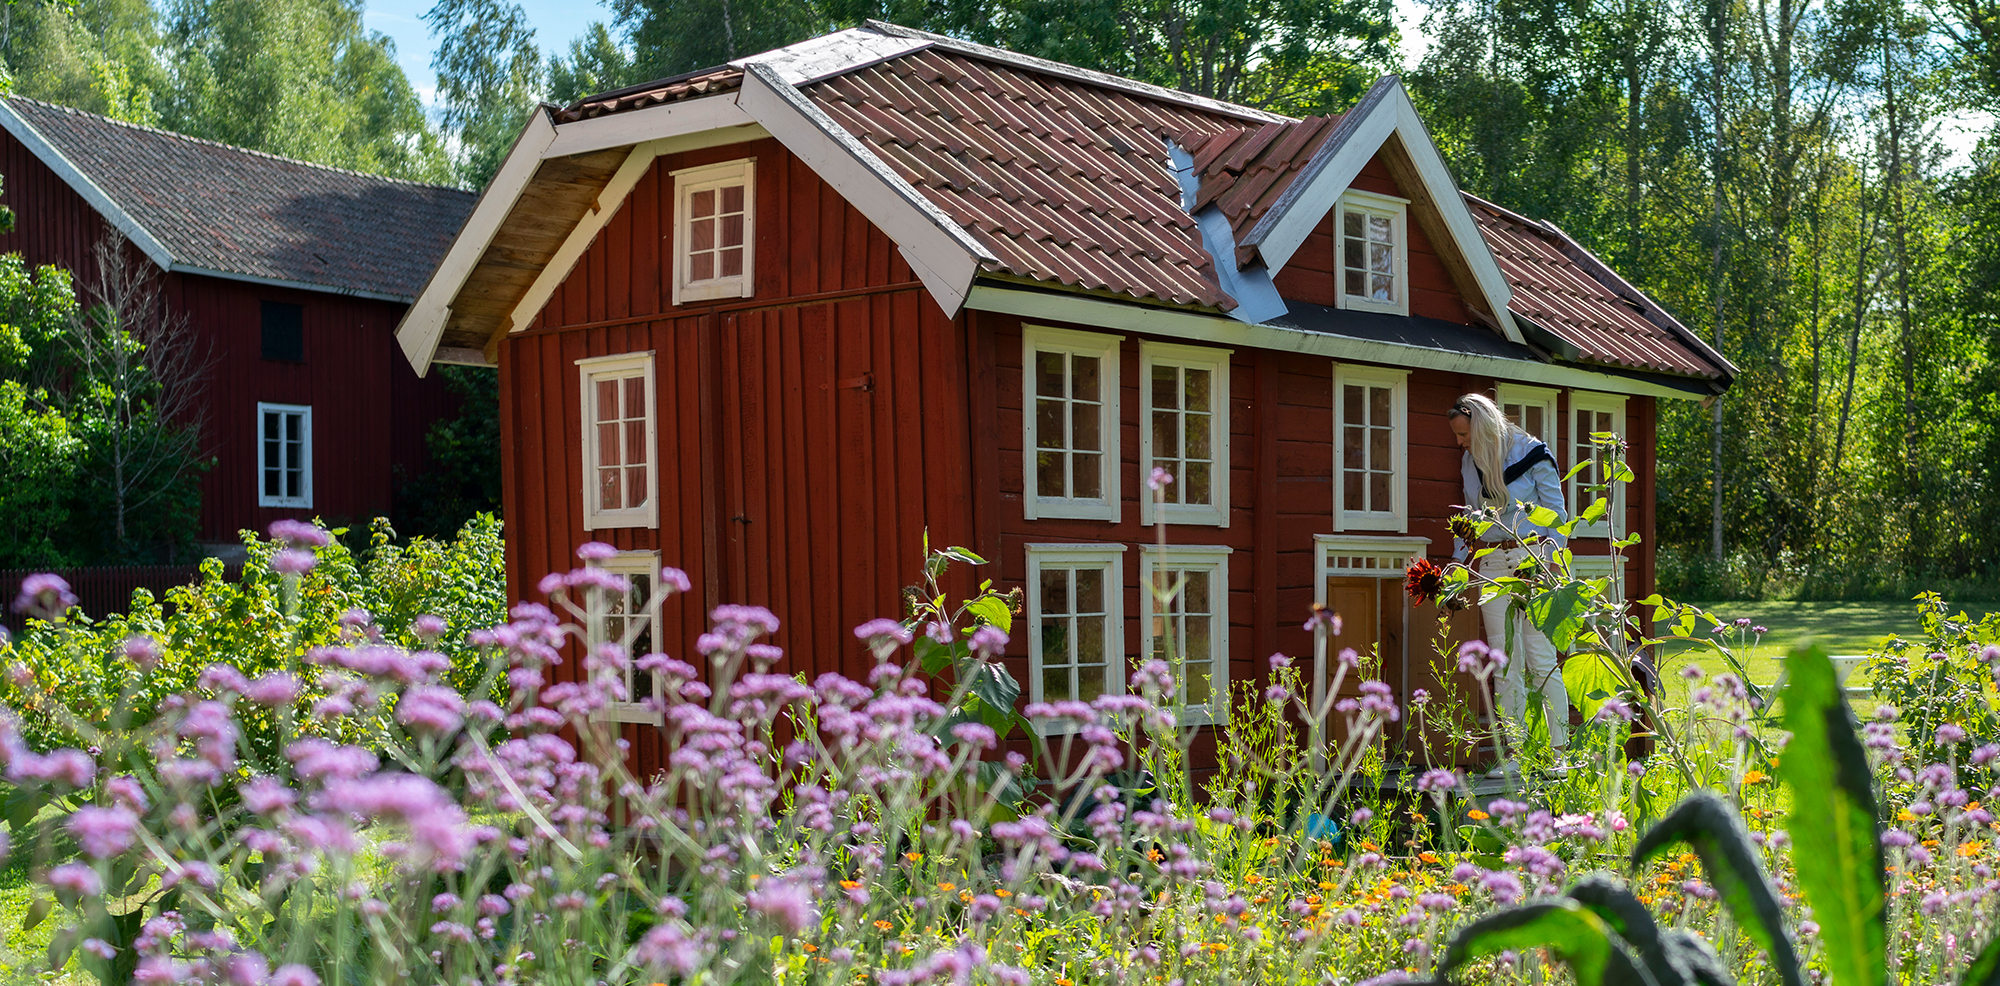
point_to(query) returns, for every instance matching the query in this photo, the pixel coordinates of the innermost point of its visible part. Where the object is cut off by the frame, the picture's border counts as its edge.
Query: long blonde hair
(1492, 437)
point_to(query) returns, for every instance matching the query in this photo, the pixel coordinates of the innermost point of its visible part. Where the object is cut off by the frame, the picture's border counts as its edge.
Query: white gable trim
(943, 255)
(1104, 315)
(423, 324)
(1386, 110)
(81, 183)
(686, 116)
(609, 201)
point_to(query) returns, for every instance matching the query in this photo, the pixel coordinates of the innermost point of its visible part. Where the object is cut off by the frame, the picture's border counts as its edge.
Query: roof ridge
(1075, 73)
(162, 131)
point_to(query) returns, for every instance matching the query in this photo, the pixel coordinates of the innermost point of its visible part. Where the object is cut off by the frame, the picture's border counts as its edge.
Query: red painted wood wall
(370, 410)
(809, 434)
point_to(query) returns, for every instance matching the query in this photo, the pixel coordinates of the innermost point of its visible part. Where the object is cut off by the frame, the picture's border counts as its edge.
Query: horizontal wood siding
(1311, 274)
(370, 410)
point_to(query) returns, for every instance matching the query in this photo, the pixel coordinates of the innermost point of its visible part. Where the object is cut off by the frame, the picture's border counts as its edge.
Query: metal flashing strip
(833, 54)
(1257, 299)
(1219, 329)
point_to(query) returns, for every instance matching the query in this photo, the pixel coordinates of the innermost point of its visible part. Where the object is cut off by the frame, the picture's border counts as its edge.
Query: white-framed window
(1531, 408)
(1076, 621)
(1370, 480)
(1184, 621)
(620, 480)
(631, 622)
(1069, 414)
(284, 455)
(715, 215)
(1591, 412)
(1184, 415)
(1374, 252)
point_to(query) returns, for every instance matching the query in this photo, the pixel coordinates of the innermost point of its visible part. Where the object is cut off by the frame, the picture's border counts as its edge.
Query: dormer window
(1374, 253)
(715, 210)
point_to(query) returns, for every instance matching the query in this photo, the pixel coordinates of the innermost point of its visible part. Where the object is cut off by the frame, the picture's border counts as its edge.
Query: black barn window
(284, 332)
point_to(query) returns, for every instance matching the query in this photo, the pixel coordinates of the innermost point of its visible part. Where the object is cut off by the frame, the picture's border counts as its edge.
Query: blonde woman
(1508, 471)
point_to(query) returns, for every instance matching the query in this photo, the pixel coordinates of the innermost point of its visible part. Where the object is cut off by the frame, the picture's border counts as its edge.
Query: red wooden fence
(102, 590)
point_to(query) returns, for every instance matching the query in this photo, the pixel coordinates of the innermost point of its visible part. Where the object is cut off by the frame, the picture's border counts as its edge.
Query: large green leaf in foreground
(1715, 831)
(1576, 935)
(1836, 837)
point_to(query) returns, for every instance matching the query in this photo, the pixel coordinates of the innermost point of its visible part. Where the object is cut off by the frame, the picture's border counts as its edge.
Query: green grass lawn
(1840, 627)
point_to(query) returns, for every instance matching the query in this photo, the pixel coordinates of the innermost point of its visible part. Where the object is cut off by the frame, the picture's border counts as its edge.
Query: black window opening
(284, 333)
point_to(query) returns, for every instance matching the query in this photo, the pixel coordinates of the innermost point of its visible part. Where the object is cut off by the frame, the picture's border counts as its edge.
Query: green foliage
(489, 72)
(462, 475)
(38, 462)
(595, 63)
(1714, 829)
(1834, 821)
(1574, 933)
(79, 665)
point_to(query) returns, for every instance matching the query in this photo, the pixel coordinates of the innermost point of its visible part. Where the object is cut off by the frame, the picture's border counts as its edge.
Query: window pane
(1533, 426)
(1381, 287)
(1197, 674)
(1199, 646)
(635, 443)
(1049, 474)
(292, 426)
(1090, 640)
(294, 483)
(1197, 484)
(701, 235)
(1356, 282)
(732, 199)
(1055, 683)
(1351, 223)
(1378, 448)
(1049, 431)
(270, 425)
(1378, 492)
(1351, 399)
(635, 397)
(607, 445)
(732, 231)
(1198, 438)
(1354, 447)
(1197, 390)
(271, 481)
(1166, 436)
(1166, 387)
(1085, 420)
(1356, 252)
(732, 263)
(610, 495)
(1084, 467)
(1378, 406)
(635, 487)
(702, 203)
(1351, 492)
(1381, 258)
(1090, 682)
(1049, 375)
(701, 267)
(1090, 590)
(1194, 593)
(1084, 386)
(1055, 590)
(1055, 646)
(1380, 229)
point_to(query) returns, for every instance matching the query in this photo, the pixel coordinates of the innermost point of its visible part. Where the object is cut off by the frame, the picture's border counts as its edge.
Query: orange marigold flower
(1477, 815)
(1753, 776)
(809, 947)
(883, 925)
(1970, 849)
(1003, 892)
(1428, 857)
(947, 887)
(1253, 879)
(914, 857)
(849, 884)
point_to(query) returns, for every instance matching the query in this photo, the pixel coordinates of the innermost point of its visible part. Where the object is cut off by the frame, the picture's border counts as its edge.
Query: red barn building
(773, 321)
(295, 276)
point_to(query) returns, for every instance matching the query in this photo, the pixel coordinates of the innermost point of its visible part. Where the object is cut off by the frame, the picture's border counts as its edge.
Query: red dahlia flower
(1423, 580)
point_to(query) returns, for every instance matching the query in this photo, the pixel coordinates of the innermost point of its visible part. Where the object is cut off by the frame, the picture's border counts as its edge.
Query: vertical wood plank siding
(370, 410)
(809, 435)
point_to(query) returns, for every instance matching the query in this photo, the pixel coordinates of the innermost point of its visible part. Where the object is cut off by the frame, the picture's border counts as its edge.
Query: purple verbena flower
(45, 596)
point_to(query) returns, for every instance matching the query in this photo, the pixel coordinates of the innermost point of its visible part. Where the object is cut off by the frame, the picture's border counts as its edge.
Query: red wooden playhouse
(771, 321)
(293, 276)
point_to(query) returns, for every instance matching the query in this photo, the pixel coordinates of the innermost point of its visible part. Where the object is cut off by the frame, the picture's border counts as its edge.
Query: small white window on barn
(620, 481)
(1184, 410)
(1370, 482)
(715, 213)
(1076, 622)
(1533, 409)
(630, 622)
(1591, 413)
(1069, 411)
(1374, 252)
(1184, 621)
(284, 455)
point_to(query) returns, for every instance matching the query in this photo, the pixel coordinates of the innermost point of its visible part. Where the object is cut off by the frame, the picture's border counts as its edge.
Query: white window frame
(628, 563)
(620, 367)
(1543, 397)
(1397, 210)
(1111, 559)
(1180, 557)
(1398, 381)
(688, 181)
(305, 497)
(1215, 513)
(1612, 523)
(1107, 349)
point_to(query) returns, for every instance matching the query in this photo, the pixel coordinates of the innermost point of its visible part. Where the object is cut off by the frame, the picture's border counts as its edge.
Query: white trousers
(1531, 657)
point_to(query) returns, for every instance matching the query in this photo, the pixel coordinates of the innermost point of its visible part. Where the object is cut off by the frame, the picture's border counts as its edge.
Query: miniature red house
(294, 274)
(771, 322)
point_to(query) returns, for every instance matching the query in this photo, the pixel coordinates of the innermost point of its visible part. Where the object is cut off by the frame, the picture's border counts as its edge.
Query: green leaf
(1595, 510)
(1591, 678)
(996, 687)
(1836, 838)
(1575, 934)
(957, 553)
(1689, 951)
(993, 609)
(932, 656)
(1607, 896)
(37, 912)
(1714, 829)
(61, 944)
(1985, 967)
(1543, 517)
(1559, 613)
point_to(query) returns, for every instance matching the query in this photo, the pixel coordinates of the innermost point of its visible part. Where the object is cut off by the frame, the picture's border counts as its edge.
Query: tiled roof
(1245, 172)
(689, 86)
(1063, 181)
(241, 212)
(1563, 288)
